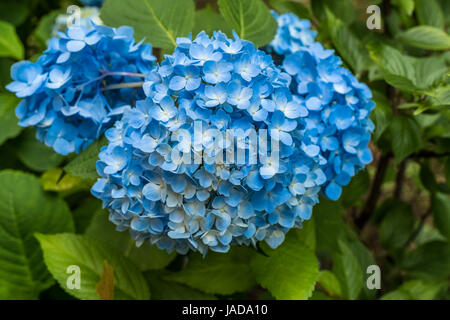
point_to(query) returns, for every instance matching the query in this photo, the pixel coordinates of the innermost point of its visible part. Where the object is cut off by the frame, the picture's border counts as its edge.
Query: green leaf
(291, 6)
(396, 226)
(34, 154)
(14, 12)
(441, 213)
(217, 272)
(57, 180)
(347, 44)
(158, 21)
(426, 37)
(406, 137)
(105, 288)
(8, 119)
(24, 210)
(398, 70)
(353, 193)
(169, 290)
(306, 235)
(346, 267)
(429, 12)
(10, 44)
(428, 71)
(429, 261)
(343, 9)
(145, 257)
(427, 178)
(330, 283)
(44, 29)
(415, 290)
(406, 6)
(329, 224)
(381, 115)
(83, 166)
(289, 272)
(64, 250)
(209, 21)
(251, 19)
(85, 212)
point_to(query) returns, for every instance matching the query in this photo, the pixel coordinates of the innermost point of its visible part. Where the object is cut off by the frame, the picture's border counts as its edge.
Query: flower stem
(124, 85)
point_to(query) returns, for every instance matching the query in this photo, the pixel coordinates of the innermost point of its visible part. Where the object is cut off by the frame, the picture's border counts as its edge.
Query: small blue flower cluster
(211, 87)
(338, 127)
(67, 91)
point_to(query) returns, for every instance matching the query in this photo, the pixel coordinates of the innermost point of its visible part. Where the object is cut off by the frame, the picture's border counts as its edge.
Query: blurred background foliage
(395, 214)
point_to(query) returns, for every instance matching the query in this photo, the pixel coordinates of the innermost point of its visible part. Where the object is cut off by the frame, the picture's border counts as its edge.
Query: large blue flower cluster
(69, 93)
(338, 127)
(169, 177)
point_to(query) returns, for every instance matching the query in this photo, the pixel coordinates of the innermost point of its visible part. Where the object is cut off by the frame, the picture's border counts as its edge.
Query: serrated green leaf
(347, 44)
(406, 137)
(169, 290)
(347, 269)
(441, 213)
(158, 21)
(330, 283)
(426, 37)
(35, 154)
(415, 290)
(83, 166)
(24, 210)
(398, 69)
(217, 272)
(64, 250)
(10, 44)
(291, 6)
(57, 180)
(8, 119)
(429, 12)
(209, 21)
(396, 226)
(145, 257)
(251, 19)
(429, 261)
(289, 272)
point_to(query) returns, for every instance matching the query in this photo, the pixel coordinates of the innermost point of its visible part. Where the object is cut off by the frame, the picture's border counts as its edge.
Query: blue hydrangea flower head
(183, 171)
(338, 126)
(67, 95)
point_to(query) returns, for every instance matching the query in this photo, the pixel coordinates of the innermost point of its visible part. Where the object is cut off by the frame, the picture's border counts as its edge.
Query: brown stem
(375, 191)
(399, 180)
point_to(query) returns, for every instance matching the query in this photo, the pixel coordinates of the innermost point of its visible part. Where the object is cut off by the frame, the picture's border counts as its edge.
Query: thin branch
(375, 191)
(124, 85)
(399, 180)
(416, 232)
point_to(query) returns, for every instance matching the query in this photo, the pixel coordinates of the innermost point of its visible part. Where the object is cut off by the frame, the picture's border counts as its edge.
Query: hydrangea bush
(70, 93)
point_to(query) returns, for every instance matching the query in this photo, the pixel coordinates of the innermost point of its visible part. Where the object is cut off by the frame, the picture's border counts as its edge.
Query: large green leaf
(289, 272)
(429, 12)
(415, 290)
(10, 44)
(398, 69)
(217, 272)
(24, 210)
(209, 21)
(158, 21)
(330, 283)
(83, 166)
(441, 213)
(429, 261)
(347, 44)
(251, 19)
(145, 257)
(406, 137)
(8, 119)
(64, 250)
(348, 270)
(35, 154)
(396, 226)
(169, 290)
(426, 37)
